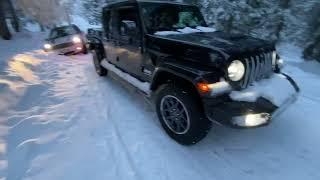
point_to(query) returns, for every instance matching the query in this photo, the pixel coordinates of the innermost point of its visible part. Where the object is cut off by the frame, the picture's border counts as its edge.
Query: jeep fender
(172, 71)
(95, 43)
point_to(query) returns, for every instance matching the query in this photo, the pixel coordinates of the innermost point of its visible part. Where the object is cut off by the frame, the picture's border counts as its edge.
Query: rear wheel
(97, 58)
(181, 115)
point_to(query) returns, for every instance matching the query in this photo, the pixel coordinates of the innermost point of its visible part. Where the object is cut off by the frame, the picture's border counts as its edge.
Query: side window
(106, 22)
(128, 25)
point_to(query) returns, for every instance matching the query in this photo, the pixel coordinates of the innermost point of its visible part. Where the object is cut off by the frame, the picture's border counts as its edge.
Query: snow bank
(276, 89)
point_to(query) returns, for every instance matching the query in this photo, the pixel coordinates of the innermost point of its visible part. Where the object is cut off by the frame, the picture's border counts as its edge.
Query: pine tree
(312, 50)
(92, 10)
(4, 30)
(276, 20)
(45, 12)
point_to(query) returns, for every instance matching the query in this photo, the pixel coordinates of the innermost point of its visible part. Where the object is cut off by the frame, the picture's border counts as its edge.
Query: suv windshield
(170, 17)
(63, 31)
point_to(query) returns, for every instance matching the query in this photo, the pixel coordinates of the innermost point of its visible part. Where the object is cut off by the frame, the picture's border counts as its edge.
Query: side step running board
(143, 86)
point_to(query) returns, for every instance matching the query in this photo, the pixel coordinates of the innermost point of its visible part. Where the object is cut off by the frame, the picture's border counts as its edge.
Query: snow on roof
(186, 30)
(149, 1)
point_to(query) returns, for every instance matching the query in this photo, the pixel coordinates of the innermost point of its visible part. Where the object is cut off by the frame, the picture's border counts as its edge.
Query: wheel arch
(165, 76)
(96, 44)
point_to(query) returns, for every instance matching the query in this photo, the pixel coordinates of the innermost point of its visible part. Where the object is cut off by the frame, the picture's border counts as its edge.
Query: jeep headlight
(236, 70)
(76, 39)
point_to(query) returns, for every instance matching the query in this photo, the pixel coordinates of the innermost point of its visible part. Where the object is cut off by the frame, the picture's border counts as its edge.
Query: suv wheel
(181, 115)
(85, 50)
(97, 58)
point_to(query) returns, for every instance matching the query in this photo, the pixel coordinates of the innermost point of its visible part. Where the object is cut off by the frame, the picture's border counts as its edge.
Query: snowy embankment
(59, 120)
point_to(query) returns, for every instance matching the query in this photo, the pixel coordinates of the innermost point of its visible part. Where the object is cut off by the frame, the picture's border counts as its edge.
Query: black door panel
(128, 42)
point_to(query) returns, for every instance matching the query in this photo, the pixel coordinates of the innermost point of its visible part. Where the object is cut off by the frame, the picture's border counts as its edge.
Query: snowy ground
(59, 120)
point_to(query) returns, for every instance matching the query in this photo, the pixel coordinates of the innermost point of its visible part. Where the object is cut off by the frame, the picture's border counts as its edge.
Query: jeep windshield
(63, 31)
(170, 17)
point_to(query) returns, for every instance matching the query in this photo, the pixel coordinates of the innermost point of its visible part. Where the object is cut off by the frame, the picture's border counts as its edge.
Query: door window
(128, 25)
(106, 22)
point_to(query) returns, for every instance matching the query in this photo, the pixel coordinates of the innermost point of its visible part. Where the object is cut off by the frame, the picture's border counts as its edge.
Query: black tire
(4, 30)
(85, 50)
(199, 125)
(97, 58)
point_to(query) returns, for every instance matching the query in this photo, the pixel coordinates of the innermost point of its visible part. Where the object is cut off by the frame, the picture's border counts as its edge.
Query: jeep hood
(224, 43)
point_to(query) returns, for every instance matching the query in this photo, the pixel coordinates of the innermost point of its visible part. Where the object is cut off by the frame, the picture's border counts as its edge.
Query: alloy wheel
(175, 114)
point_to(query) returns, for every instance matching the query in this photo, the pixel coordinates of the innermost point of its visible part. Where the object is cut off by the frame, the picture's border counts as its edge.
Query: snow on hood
(276, 89)
(186, 30)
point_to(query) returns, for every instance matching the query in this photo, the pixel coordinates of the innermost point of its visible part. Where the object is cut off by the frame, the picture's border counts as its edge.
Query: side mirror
(94, 32)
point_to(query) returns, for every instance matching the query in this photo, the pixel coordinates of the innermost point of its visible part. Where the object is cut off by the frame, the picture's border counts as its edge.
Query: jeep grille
(257, 67)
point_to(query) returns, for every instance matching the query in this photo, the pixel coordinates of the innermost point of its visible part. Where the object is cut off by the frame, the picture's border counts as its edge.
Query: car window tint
(63, 31)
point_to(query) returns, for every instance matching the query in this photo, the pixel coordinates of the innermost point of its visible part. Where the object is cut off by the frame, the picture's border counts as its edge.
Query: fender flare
(175, 71)
(95, 43)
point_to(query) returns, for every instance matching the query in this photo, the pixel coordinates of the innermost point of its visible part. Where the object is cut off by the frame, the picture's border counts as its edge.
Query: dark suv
(195, 74)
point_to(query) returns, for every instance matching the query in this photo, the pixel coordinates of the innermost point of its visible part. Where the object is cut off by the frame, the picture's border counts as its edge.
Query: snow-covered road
(59, 120)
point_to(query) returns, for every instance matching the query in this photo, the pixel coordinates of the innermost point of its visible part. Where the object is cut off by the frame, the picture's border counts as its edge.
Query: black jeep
(195, 74)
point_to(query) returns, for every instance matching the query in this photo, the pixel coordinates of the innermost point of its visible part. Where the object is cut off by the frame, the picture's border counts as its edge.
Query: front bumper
(72, 49)
(243, 114)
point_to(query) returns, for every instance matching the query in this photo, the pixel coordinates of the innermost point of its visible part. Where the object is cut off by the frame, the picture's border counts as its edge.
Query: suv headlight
(236, 70)
(76, 39)
(47, 46)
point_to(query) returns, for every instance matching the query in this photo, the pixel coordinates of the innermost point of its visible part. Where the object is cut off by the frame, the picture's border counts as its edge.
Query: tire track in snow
(102, 94)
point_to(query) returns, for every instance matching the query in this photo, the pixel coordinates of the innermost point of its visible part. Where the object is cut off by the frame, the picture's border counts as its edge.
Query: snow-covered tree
(46, 12)
(278, 20)
(255, 17)
(312, 50)
(9, 17)
(92, 10)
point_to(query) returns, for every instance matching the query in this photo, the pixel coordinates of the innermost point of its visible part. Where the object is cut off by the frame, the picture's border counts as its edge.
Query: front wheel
(181, 115)
(97, 58)
(85, 49)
